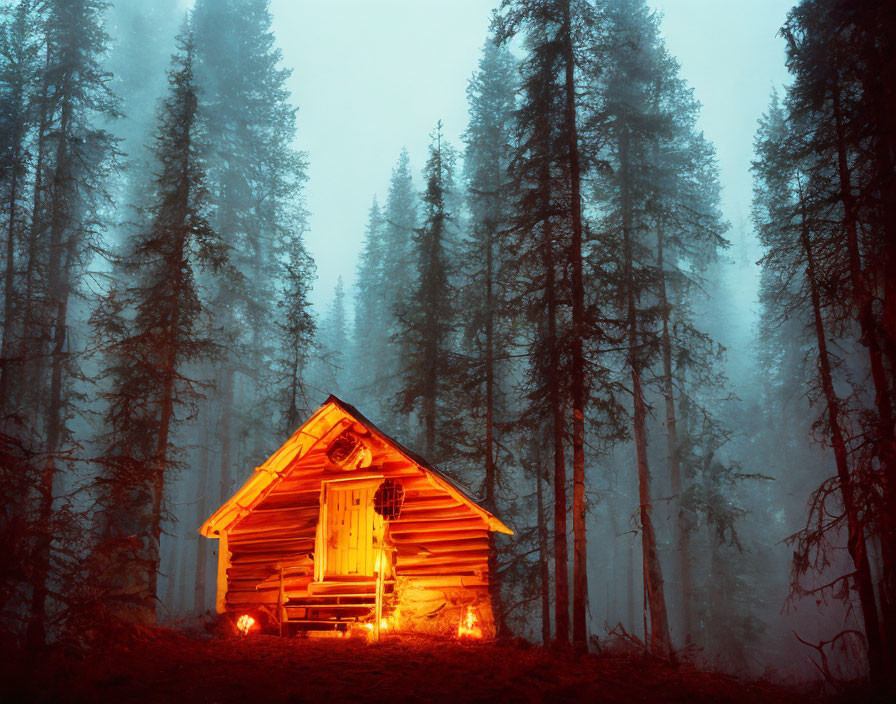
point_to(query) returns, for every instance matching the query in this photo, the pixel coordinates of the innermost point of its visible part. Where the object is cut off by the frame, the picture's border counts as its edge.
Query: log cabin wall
(440, 558)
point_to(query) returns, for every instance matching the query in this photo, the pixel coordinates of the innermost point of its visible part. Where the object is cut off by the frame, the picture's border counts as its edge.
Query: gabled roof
(302, 441)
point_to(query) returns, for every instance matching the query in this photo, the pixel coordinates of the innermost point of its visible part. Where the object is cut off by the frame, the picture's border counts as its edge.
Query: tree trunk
(225, 401)
(199, 588)
(171, 584)
(58, 285)
(659, 640)
(577, 382)
(491, 470)
(9, 287)
(863, 301)
(561, 556)
(31, 342)
(855, 532)
(682, 536)
(160, 461)
(543, 572)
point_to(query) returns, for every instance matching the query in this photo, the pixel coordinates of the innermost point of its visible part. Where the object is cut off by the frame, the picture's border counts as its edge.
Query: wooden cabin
(343, 527)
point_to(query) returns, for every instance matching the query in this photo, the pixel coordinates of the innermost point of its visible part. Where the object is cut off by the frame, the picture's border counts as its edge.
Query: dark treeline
(542, 311)
(156, 325)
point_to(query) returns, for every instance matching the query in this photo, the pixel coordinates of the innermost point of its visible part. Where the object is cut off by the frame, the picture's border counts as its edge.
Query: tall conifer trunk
(561, 556)
(491, 470)
(659, 639)
(225, 422)
(29, 339)
(58, 293)
(543, 569)
(855, 532)
(673, 447)
(199, 581)
(161, 455)
(863, 301)
(577, 381)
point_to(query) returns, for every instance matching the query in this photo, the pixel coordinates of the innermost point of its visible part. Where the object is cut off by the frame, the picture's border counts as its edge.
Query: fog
(619, 268)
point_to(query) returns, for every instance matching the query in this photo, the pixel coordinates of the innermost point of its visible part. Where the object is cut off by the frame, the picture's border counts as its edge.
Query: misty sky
(372, 77)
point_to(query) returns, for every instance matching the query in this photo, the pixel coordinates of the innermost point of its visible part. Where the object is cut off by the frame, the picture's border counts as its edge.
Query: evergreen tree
(487, 337)
(332, 345)
(399, 228)
(842, 137)
(426, 319)
(369, 315)
(662, 229)
(791, 220)
(142, 41)
(151, 329)
(19, 71)
(548, 168)
(74, 165)
(296, 327)
(255, 183)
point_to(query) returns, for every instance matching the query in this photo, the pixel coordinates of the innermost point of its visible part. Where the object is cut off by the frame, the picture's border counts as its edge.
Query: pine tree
(332, 345)
(19, 71)
(790, 221)
(151, 330)
(255, 182)
(487, 337)
(68, 213)
(399, 227)
(631, 60)
(548, 171)
(836, 108)
(425, 317)
(369, 347)
(296, 327)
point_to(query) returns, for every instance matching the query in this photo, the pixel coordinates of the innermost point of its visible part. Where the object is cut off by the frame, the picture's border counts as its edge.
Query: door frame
(321, 547)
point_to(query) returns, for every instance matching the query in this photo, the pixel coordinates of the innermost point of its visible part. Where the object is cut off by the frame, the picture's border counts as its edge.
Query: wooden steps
(328, 603)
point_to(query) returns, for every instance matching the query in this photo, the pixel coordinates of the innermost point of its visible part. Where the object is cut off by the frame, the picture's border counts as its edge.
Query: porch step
(333, 588)
(354, 595)
(327, 607)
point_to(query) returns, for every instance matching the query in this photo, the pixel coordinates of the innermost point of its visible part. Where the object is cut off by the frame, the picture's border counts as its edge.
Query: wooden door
(350, 519)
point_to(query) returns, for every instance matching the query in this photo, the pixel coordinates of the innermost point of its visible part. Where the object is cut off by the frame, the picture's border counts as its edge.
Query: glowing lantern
(468, 627)
(244, 623)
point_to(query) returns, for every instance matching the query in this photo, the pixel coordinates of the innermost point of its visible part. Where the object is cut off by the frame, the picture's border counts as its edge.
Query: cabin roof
(278, 465)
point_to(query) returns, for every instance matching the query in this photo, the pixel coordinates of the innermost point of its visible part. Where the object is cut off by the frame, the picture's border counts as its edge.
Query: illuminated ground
(167, 667)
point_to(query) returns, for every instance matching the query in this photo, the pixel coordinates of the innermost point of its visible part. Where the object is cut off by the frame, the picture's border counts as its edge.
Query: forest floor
(167, 666)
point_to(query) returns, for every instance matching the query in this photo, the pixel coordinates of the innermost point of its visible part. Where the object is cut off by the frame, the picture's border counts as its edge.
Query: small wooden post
(281, 601)
(223, 565)
(380, 578)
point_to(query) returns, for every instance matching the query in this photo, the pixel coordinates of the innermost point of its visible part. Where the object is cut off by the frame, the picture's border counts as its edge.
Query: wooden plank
(251, 559)
(239, 543)
(415, 505)
(450, 546)
(277, 548)
(437, 526)
(428, 539)
(432, 515)
(444, 570)
(441, 559)
(447, 582)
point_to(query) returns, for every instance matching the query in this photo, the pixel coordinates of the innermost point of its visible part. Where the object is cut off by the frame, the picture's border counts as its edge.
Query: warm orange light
(244, 623)
(384, 625)
(468, 627)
